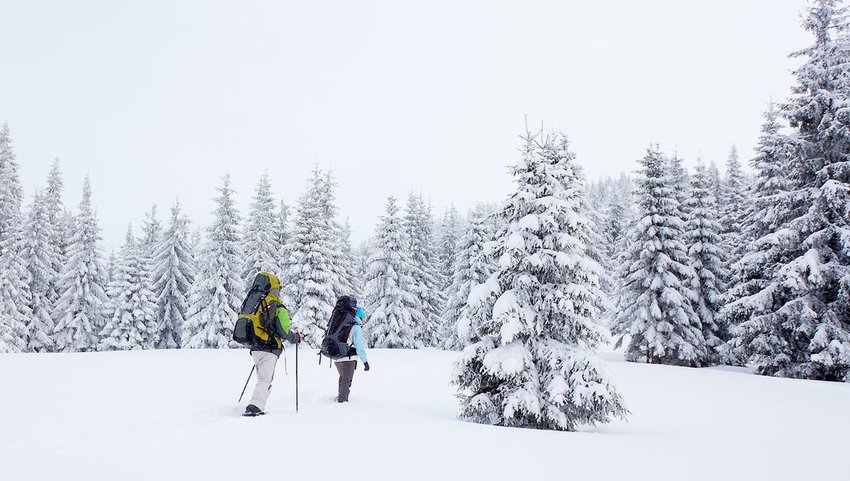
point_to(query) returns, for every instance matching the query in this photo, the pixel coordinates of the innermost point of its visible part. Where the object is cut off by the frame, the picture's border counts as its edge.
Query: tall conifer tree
(218, 290)
(534, 365)
(655, 312)
(79, 312)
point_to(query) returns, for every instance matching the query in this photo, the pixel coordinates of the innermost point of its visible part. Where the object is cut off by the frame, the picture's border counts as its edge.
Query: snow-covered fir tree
(15, 296)
(396, 312)
(448, 237)
(340, 265)
(309, 292)
(352, 263)
(534, 364)
(654, 311)
(111, 265)
(703, 239)
(804, 331)
(218, 289)
(151, 233)
(679, 181)
(472, 268)
(282, 234)
(39, 256)
(173, 274)
(79, 312)
(715, 183)
(733, 204)
(771, 206)
(260, 242)
(11, 192)
(61, 224)
(425, 269)
(131, 323)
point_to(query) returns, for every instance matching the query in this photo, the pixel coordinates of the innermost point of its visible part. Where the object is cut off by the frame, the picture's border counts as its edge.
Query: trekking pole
(296, 376)
(246, 383)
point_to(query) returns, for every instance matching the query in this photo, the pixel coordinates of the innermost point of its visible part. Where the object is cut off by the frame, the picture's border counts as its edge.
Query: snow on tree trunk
(534, 364)
(79, 312)
(655, 308)
(218, 289)
(395, 311)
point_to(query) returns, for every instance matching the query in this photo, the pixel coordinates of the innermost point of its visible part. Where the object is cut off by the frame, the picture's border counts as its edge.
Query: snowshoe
(252, 411)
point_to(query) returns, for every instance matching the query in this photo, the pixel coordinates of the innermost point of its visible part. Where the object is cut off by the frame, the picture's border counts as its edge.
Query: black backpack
(335, 343)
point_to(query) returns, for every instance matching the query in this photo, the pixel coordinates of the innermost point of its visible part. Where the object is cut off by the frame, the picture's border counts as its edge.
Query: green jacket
(282, 327)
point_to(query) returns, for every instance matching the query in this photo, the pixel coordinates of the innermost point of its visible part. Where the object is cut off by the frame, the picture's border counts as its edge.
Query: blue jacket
(357, 335)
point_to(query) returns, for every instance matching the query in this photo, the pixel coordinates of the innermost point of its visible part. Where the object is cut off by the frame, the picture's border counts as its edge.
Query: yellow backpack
(255, 324)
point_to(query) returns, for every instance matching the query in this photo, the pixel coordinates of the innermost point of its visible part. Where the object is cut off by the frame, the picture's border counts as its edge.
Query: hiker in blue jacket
(347, 365)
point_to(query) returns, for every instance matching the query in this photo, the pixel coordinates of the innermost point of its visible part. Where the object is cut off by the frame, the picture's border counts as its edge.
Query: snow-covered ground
(173, 415)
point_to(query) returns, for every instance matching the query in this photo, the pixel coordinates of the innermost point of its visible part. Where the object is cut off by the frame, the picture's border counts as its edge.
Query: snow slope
(173, 415)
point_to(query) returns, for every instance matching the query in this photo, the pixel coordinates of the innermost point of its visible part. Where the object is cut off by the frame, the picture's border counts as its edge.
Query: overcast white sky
(159, 99)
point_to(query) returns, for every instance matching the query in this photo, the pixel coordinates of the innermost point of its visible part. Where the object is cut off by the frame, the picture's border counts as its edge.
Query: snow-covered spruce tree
(352, 263)
(472, 268)
(11, 192)
(131, 323)
(79, 312)
(424, 268)
(60, 224)
(771, 206)
(151, 233)
(260, 243)
(715, 183)
(703, 239)
(218, 289)
(448, 236)
(805, 332)
(534, 365)
(340, 265)
(39, 256)
(15, 299)
(396, 312)
(655, 310)
(309, 286)
(111, 265)
(732, 205)
(620, 217)
(679, 181)
(173, 274)
(283, 236)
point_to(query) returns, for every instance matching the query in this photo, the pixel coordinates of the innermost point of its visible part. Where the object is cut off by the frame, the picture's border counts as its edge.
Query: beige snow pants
(265, 363)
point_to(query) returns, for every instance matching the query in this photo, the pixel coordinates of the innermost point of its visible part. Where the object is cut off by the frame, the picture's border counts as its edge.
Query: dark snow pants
(346, 375)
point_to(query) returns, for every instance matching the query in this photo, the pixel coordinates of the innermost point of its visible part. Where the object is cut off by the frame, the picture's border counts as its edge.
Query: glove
(365, 366)
(298, 337)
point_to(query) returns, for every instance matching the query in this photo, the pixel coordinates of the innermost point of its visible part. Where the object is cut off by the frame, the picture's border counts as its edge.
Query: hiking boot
(252, 411)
